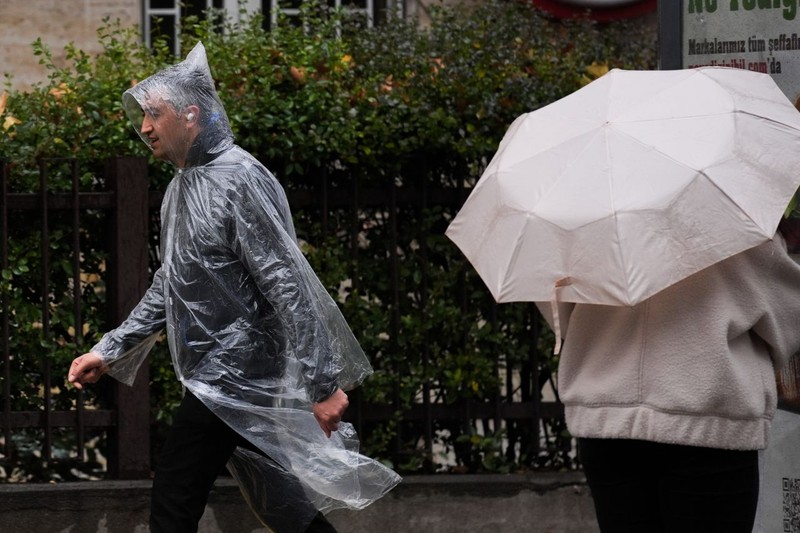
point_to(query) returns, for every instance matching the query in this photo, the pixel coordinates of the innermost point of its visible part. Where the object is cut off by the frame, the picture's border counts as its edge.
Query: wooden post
(670, 35)
(129, 278)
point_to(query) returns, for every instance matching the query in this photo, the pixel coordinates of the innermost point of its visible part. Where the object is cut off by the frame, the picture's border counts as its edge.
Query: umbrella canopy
(631, 184)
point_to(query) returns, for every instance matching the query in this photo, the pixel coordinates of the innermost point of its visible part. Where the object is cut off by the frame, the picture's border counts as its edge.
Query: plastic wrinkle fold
(252, 331)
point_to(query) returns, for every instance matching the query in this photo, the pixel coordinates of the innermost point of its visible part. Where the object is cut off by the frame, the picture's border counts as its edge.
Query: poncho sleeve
(125, 348)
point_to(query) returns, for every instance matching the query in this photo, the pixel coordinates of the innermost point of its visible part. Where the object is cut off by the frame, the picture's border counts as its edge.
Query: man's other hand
(329, 412)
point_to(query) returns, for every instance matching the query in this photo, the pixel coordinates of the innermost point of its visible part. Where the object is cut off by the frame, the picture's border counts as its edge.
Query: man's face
(168, 133)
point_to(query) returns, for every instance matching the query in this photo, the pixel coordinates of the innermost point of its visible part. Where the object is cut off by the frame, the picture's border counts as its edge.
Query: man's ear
(192, 114)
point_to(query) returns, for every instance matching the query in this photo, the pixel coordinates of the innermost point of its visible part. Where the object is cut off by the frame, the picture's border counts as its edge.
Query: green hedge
(418, 107)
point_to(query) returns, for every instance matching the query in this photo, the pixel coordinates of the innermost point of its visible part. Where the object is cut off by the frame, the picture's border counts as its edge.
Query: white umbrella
(631, 184)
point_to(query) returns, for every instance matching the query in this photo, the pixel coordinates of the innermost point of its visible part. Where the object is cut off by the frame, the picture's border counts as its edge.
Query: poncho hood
(188, 83)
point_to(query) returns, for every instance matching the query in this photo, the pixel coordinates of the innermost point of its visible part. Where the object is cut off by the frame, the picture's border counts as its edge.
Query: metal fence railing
(30, 215)
(349, 209)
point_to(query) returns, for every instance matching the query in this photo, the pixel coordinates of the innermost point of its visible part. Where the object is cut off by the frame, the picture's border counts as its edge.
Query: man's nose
(146, 125)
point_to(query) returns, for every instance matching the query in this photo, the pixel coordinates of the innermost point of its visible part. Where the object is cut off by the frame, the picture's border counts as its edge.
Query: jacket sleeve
(288, 283)
(777, 276)
(125, 348)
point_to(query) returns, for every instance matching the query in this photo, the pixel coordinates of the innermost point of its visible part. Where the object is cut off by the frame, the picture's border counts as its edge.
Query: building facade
(59, 22)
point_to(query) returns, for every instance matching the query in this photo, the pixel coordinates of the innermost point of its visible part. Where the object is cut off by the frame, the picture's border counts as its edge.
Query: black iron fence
(525, 422)
(127, 422)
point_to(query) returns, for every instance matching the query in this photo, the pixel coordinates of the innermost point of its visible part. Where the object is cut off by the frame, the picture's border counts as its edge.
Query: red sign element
(600, 10)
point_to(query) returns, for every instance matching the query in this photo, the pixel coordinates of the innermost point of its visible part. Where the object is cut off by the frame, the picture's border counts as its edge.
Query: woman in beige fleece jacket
(671, 399)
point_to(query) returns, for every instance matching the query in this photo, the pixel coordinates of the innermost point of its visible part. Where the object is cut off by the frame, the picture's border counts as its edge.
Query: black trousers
(640, 486)
(196, 450)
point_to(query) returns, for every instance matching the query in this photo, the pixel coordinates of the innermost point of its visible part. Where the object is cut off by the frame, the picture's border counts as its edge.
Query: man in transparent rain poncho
(261, 349)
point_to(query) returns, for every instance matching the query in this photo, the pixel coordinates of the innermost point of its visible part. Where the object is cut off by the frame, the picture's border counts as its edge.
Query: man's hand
(87, 368)
(329, 412)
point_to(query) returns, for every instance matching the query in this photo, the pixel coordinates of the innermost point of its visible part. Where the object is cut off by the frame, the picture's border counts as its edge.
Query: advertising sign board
(758, 35)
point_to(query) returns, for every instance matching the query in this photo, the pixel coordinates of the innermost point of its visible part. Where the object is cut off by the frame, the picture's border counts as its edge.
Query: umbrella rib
(556, 179)
(772, 120)
(706, 115)
(734, 202)
(681, 164)
(610, 188)
(513, 257)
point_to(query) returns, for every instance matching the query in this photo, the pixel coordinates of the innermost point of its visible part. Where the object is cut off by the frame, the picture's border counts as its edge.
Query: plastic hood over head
(252, 332)
(177, 91)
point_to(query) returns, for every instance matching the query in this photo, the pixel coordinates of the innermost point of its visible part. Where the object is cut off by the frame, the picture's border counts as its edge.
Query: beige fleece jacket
(695, 364)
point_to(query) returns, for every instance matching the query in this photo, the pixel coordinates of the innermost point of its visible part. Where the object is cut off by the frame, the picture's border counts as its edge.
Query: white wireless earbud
(190, 117)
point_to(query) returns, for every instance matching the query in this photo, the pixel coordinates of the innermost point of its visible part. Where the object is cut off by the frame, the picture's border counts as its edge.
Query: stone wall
(57, 22)
(540, 503)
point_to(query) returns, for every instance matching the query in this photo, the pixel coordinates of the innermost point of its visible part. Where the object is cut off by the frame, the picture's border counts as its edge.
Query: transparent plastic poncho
(252, 332)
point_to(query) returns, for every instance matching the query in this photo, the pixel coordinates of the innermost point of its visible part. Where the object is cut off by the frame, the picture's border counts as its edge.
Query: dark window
(161, 16)
(163, 26)
(193, 9)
